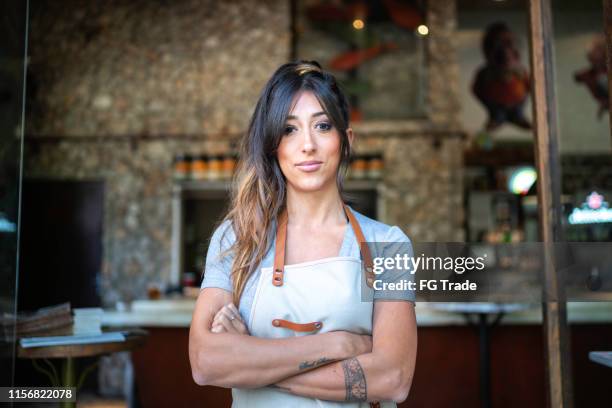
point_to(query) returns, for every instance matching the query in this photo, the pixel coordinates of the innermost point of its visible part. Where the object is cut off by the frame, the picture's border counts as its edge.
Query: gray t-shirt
(392, 238)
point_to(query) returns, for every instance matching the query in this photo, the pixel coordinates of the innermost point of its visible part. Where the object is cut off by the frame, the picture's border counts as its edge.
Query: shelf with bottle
(201, 173)
(204, 166)
(197, 204)
(366, 167)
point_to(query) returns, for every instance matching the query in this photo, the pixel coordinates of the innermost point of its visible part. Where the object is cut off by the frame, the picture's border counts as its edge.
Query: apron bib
(307, 298)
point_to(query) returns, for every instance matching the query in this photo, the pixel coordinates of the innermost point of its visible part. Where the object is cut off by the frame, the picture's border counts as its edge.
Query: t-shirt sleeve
(217, 269)
(396, 243)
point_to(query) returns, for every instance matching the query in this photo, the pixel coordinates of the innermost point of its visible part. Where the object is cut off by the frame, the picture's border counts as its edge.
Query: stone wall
(423, 188)
(106, 74)
(151, 67)
(137, 207)
(117, 89)
(443, 69)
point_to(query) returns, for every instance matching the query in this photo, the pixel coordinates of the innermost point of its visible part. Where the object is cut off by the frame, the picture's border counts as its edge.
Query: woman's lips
(309, 167)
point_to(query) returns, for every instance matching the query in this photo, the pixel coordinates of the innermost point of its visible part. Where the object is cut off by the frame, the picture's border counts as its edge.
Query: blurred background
(120, 122)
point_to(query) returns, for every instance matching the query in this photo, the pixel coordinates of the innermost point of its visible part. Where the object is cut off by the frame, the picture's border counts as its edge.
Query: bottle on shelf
(375, 166)
(199, 167)
(358, 167)
(182, 166)
(204, 166)
(214, 167)
(228, 166)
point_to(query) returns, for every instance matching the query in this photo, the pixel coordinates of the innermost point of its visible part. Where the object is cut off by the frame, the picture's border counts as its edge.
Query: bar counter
(448, 359)
(177, 313)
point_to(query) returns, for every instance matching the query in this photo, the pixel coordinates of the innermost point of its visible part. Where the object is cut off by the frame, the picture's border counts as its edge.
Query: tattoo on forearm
(354, 380)
(304, 365)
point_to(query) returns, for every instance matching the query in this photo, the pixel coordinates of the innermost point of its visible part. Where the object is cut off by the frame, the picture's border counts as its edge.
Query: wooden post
(607, 7)
(556, 336)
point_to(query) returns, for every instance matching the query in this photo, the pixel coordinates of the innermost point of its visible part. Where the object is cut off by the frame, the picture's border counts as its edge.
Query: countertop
(177, 313)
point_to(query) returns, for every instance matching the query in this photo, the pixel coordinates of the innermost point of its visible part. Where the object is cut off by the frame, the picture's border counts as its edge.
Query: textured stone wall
(155, 67)
(137, 207)
(102, 75)
(423, 188)
(443, 68)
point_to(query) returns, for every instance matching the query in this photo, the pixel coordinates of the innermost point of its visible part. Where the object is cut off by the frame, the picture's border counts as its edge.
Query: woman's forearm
(382, 374)
(368, 377)
(231, 360)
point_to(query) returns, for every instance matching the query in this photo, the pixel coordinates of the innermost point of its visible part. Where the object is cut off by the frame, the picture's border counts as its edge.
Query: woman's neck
(315, 208)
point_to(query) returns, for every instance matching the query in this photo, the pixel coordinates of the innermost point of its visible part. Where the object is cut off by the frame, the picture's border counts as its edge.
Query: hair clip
(305, 68)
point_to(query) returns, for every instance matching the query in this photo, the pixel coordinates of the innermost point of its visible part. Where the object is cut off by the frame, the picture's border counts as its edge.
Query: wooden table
(133, 339)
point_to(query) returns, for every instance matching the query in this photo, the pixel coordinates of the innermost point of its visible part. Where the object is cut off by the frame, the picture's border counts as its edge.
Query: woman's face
(309, 150)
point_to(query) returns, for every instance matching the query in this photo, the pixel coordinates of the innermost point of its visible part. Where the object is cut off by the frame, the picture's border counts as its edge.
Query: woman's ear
(351, 136)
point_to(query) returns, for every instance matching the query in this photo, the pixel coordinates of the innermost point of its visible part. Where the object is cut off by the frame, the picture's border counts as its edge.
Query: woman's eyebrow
(290, 117)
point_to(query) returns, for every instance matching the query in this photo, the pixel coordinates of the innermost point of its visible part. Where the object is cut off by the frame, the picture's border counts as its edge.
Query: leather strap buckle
(298, 327)
(277, 277)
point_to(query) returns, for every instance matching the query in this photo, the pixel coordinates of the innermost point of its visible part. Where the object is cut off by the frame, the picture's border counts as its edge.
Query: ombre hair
(258, 195)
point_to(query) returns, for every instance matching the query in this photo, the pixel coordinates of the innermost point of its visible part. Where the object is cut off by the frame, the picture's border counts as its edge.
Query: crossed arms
(337, 366)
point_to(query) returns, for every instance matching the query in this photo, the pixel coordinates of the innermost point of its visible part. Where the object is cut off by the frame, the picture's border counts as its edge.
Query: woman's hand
(228, 320)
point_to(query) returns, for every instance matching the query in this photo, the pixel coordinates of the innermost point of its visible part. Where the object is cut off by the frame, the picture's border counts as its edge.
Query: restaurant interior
(476, 121)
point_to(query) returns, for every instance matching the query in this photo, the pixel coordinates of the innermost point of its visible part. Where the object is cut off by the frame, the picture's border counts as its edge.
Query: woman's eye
(289, 129)
(325, 126)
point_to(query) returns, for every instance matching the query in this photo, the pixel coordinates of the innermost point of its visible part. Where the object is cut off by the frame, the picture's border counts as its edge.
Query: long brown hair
(258, 195)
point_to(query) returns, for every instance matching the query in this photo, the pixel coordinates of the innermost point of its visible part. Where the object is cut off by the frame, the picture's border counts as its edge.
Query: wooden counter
(447, 359)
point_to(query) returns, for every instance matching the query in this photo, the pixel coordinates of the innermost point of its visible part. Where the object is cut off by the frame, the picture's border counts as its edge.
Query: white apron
(308, 298)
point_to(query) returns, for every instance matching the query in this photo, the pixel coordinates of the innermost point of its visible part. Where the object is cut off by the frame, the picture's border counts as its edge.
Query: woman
(282, 318)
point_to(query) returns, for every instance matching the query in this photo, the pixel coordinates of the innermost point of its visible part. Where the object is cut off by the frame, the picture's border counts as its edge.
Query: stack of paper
(51, 320)
(108, 337)
(87, 320)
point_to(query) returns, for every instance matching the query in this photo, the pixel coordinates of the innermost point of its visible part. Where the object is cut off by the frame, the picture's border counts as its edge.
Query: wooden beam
(607, 7)
(556, 335)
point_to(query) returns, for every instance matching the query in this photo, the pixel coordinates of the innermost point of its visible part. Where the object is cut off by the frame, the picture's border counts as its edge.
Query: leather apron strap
(281, 236)
(279, 268)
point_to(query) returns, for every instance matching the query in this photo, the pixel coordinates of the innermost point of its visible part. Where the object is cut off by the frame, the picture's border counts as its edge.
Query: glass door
(13, 51)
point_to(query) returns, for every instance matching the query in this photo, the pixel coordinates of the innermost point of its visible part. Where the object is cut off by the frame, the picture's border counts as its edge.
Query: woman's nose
(308, 143)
